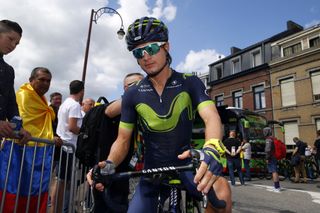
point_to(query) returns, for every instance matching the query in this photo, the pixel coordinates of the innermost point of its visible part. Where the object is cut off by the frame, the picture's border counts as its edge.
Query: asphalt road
(257, 196)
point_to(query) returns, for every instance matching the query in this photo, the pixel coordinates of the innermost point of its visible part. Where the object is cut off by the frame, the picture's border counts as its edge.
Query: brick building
(295, 80)
(242, 79)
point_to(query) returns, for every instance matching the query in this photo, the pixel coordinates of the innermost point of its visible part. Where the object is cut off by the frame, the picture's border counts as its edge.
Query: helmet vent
(137, 38)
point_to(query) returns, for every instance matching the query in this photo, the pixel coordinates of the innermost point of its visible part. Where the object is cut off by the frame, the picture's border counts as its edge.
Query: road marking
(314, 195)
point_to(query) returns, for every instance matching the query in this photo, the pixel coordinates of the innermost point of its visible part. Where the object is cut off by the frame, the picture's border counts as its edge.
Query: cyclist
(164, 103)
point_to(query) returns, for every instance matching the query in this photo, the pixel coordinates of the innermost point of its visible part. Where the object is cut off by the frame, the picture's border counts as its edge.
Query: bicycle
(259, 167)
(311, 167)
(285, 170)
(167, 176)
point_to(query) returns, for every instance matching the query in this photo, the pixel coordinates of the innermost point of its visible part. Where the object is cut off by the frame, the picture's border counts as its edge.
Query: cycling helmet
(144, 30)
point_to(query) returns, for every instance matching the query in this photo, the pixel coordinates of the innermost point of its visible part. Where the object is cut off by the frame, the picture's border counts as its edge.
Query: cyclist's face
(151, 64)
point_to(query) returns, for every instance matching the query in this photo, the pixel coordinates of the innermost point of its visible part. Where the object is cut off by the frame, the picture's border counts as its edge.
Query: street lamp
(95, 15)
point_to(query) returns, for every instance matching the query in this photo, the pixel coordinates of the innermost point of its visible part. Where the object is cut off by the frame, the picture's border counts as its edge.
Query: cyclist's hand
(210, 168)
(101, 174)
(97, 186)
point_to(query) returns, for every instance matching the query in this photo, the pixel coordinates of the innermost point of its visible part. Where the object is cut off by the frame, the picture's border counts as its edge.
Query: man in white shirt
(69, 123)
(69, 115)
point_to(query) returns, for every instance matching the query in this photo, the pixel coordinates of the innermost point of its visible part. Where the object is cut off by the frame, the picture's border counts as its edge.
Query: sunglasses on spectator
(151, 49)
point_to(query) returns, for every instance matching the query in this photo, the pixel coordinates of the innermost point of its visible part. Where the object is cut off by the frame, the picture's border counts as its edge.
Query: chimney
(234, 50)
(291, 25)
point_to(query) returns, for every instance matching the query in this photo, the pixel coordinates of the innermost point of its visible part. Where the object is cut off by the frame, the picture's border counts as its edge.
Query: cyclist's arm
(113, 109)
(120, 147)
(210, 116)
(211, 119)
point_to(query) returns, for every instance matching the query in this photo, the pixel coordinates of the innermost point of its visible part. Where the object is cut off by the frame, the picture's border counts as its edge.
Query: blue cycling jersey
(165, 120)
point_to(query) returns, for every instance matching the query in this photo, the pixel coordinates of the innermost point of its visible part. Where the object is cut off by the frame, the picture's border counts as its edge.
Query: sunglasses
(151, 49)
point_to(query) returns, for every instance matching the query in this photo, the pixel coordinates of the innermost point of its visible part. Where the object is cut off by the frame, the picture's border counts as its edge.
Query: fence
(31, 181)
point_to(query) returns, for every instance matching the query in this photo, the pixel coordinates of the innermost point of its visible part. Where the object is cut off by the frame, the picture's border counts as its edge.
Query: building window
(256, 58)
(314, 42)
(315, 80)
(259, 97)
(288, 95)
(219, 72)
(237, 99)
(291, 130)
(219, 100)
(235, 66)
(318, 123)
(287, 51)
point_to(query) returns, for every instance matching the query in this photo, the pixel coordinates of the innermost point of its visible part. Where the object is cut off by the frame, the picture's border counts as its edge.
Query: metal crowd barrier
(31, 181)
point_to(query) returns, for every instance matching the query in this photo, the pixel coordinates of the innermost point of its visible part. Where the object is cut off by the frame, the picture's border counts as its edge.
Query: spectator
(37, 117)
(118, 192)
(246, 148)
(10, 35)
(233, 149)
(300, 168)
(270, 159)
(69, 123)
(55, 102)
(316, 147)
(87, 104)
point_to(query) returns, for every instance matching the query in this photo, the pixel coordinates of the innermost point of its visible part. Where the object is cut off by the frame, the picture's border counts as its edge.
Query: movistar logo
(165, 123)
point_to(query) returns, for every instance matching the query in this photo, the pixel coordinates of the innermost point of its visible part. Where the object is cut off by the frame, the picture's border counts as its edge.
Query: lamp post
(95, 15)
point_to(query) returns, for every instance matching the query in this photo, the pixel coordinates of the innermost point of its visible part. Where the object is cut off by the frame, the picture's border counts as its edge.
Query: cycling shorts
(145, 199)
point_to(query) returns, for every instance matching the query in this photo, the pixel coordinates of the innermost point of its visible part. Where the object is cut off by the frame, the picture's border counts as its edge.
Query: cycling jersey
(166, 119)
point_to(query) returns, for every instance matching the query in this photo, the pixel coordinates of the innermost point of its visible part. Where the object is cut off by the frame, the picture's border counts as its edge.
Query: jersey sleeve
(128, 112)
(198, 92)
(75, 111)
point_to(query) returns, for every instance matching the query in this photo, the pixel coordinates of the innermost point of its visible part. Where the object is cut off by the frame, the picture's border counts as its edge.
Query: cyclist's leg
(223, 191)
(221, 187)
(190, 186)
(117, 196)
(145, 198)
(99, 201)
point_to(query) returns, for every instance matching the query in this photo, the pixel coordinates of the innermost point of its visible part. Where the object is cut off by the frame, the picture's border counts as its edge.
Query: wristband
(216, 143)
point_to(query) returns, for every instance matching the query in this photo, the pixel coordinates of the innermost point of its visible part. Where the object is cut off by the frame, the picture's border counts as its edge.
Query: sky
(200, 31)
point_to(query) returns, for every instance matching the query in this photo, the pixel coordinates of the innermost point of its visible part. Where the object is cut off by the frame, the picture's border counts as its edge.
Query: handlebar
(195, 162)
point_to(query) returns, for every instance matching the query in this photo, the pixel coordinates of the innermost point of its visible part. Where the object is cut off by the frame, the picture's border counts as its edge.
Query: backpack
(280, 149)
(87, 142)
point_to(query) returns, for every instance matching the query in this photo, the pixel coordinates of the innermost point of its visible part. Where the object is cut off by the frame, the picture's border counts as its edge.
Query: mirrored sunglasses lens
(151, 49)
(138, 53)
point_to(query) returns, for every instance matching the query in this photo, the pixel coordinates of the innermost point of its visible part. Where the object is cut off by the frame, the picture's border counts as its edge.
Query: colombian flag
(30, 163)
(34, 180)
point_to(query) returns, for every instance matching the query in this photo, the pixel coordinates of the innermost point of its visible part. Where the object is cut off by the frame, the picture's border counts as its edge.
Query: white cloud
(55, 35)
(160, 10)
(312, 23)
(198, 61)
